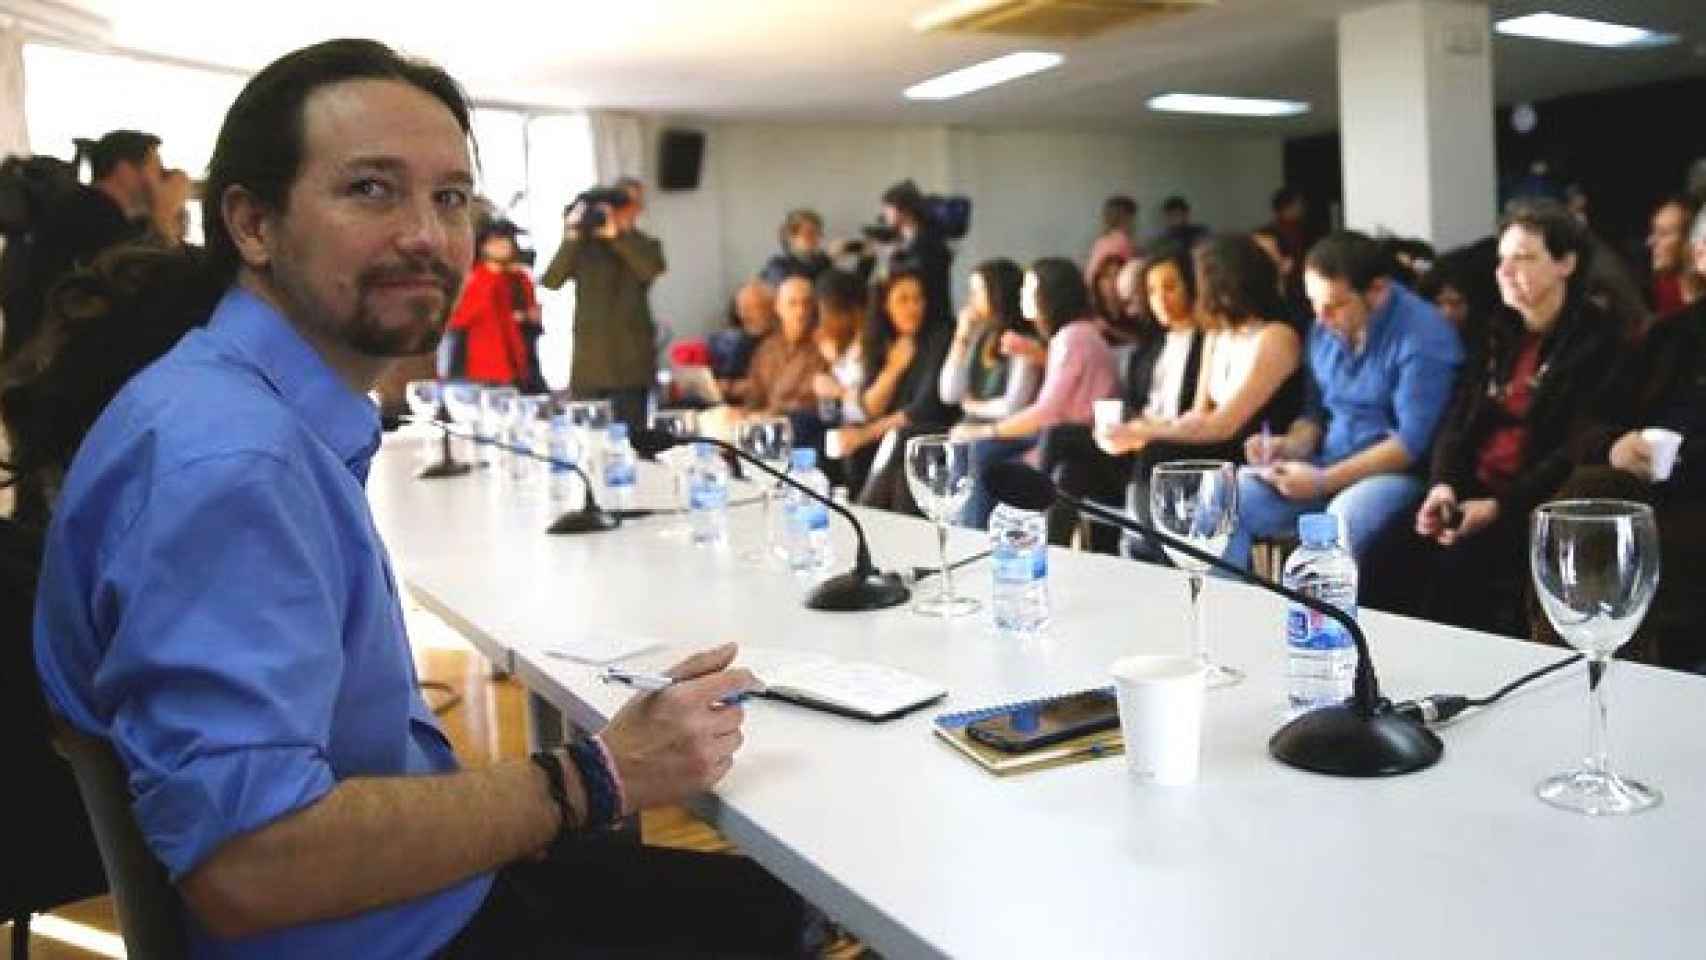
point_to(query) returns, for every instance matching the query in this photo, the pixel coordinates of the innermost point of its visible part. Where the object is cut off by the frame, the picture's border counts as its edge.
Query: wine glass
(938, 471)
(771, 441)
(462, 400)
(498, 409)
(591, 421)
(1197, 501)
(423, 397)
(679, 424)
(1596, 567)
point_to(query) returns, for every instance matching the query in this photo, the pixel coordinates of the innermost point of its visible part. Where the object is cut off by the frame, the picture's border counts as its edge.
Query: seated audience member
(1671, 288)
(903, 353)
(801, 236)
(1289, 229)
(1381, 365)
(1661, 386)
(1161, 380)
(1251, 360)
(295, 788)
(784, 365)
(752, 317)
(1503, 448)
(841, 300)
(1111, 311)
(1119, 224)
(1462, 286)
(1177, 227)
(1080, 371)
(168, 212)
(488, 315)
(982, 378)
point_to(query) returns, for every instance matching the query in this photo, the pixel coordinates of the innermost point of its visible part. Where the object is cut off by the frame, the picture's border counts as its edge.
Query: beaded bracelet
(598, 777)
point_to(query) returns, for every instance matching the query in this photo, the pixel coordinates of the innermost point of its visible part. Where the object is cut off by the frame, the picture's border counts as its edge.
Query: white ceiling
(847, 60)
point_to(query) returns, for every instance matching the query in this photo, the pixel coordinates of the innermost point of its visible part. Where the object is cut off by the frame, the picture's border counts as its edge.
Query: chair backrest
(149, 913)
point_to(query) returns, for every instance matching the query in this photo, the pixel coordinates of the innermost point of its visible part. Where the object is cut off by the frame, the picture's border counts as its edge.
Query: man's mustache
(432, 270)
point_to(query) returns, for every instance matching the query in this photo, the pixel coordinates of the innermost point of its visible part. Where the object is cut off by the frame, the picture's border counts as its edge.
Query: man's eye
(370, 188)
(453, 199)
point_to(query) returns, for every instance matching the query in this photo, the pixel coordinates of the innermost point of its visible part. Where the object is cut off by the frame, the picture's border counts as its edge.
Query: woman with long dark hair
(902, 352)
(1080, 371)
(1160, 384)
(981, 374)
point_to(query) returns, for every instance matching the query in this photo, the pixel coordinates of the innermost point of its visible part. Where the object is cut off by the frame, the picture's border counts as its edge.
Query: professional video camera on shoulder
(949, 216)
(594, 202)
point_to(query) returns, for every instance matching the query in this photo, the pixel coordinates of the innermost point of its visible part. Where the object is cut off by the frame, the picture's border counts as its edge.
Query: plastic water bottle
(1321, 657)
(619, 468)
(563, 447)
(1018, 541)
(708, 496)
(805, 522)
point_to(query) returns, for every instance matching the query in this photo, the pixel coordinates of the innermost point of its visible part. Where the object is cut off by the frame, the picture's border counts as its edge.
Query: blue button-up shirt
(216, 602)
(1398, 384)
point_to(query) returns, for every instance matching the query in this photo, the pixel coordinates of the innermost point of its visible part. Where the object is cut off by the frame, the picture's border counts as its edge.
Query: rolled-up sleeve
(225, 660)
(1427, 377)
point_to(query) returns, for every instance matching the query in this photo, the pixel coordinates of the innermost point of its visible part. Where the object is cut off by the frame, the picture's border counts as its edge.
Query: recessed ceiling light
(1226, 106)
(980, 76)
(1592, 33)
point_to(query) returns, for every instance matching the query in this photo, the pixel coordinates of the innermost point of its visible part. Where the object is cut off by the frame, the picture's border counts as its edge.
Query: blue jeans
(1364, 509)
(983, 453)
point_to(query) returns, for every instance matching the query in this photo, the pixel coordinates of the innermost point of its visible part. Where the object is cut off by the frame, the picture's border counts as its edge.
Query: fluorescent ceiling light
(979, 76)
(1592, 33)
(1226, 106)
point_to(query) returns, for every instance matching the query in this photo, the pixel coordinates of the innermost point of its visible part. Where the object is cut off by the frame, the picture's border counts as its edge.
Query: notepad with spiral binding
(951, 728)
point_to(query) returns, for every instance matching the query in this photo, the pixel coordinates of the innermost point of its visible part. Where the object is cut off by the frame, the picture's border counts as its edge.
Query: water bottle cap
(617, 431)
(1318, 529)
(804, 459)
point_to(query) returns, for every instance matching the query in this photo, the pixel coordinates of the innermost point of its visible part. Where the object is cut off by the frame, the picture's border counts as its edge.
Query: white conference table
(921, 853)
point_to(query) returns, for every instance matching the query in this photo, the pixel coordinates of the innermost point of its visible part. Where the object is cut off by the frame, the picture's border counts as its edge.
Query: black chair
(50, 858)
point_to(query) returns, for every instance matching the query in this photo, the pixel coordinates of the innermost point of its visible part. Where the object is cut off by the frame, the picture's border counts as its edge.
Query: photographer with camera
(613, 264)
(919, 247)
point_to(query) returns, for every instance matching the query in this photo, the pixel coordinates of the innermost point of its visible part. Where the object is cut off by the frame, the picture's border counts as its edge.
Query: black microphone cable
(1441, 707)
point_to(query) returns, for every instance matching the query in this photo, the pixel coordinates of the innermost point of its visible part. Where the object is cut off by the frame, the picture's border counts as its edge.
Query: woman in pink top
(1079, 371)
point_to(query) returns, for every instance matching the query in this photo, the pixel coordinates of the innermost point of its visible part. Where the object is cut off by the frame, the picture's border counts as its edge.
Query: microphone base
(1340, 742)
(584, 521)
(442, 470)
(855, 591)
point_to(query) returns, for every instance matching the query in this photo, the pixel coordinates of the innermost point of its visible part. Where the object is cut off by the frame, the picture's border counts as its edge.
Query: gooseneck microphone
(863, 588)
(1363, 737)
(590, 518)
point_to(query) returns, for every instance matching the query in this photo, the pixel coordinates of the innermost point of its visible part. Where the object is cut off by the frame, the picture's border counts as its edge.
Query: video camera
(950, 214)
(595, 199)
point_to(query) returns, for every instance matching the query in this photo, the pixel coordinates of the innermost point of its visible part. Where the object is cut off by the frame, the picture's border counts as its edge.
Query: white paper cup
(1665, 444)
(832, 445)
(1108, 413)
(1161, 715)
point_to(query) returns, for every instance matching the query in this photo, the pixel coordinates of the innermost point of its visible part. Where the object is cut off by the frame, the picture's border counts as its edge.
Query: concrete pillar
(1416, 120)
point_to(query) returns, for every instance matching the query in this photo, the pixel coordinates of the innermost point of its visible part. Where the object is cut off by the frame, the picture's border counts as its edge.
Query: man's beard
(362, 331)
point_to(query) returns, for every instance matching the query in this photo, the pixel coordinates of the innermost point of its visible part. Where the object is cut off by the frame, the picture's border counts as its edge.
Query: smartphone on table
(1026, 728)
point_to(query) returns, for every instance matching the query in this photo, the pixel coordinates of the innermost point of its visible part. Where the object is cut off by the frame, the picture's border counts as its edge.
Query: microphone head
(649, 443)
(1018, 485)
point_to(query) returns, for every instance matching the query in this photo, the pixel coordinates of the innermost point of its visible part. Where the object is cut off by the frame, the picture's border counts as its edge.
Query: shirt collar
(342, 419)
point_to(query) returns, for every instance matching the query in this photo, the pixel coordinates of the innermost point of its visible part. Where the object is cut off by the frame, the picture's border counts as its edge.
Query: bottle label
(619, 475)
(707, 495)
(1307, 629)
(1017, 566)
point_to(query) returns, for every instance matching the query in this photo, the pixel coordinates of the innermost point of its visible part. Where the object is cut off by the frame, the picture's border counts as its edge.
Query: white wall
(1034, 192)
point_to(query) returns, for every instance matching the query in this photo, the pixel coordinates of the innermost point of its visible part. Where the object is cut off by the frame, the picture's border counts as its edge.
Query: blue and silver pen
(654, 682)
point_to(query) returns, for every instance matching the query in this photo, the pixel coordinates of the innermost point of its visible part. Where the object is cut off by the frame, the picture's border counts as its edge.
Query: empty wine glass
(771, 441)
(462, 400)
(1595, 565)
(590, 420)
(423, 397)
(681, 424)
(1197, 501)
(938, 471)
(498, 409)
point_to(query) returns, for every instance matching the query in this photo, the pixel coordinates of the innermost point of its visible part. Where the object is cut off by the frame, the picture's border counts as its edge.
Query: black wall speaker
(680, 153)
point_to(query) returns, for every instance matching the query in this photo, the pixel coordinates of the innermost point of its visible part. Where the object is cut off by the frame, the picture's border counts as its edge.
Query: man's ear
(249, 222)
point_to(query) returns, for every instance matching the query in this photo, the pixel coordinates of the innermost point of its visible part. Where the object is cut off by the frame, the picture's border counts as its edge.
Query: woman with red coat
(496, 299)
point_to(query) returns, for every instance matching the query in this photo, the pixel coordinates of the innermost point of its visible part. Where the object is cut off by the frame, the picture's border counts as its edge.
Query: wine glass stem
(1599, 751)
(764, 525)
(942, 551)
(1198, 629)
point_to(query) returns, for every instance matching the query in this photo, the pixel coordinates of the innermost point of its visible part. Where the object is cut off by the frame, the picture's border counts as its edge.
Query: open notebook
(867, 691)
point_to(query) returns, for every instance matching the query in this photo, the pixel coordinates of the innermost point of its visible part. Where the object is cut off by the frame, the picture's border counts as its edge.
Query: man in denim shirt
(1382, 365)
(216, 604)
